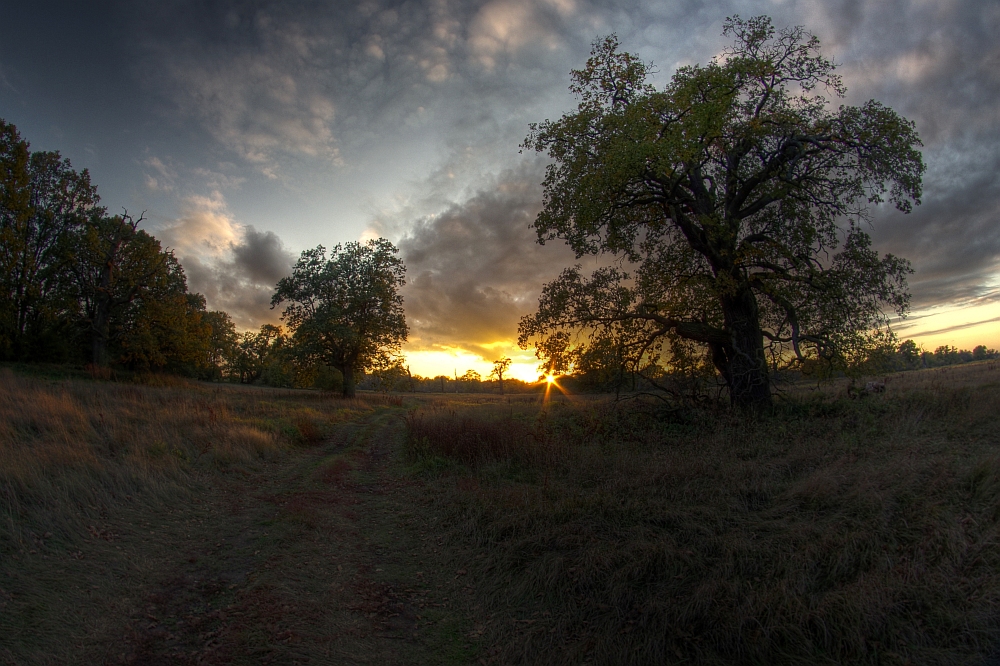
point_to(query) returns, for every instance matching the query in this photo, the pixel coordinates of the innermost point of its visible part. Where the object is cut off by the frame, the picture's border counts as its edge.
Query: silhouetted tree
(728, 190)
(500, 366)
(253, 351)
(345, 310)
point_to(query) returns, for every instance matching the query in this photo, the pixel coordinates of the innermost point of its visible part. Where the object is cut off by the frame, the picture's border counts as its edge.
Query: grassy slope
(837, 531)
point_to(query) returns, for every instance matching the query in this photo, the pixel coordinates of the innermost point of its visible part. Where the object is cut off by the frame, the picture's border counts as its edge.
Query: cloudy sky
(250, 131)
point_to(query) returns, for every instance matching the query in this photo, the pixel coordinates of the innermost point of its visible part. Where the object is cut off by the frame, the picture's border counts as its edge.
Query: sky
(250, 131)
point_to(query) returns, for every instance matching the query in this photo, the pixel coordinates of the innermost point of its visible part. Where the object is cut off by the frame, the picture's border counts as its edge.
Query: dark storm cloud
(261, 257)
(474, 269)
(953, 239)
(247, 302)
(241, 281)
(235, 266)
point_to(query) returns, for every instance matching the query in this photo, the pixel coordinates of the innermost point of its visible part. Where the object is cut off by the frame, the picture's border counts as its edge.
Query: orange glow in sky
(455, 361)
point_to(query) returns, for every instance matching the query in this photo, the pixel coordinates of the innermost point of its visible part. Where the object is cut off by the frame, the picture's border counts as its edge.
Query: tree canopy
(345, 310)
(734, 202)
(77, 284)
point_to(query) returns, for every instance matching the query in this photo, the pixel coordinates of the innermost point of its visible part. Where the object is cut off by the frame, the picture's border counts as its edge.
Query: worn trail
(329, 557)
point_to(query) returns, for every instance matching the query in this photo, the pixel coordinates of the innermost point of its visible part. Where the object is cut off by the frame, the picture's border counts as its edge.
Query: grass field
(836, 531)
(196, 523)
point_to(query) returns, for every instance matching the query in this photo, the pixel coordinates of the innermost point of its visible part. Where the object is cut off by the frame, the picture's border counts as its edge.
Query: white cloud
(166, 177)
(503, 27)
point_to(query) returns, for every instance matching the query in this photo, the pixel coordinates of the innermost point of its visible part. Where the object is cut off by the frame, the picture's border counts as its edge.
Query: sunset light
(454, 360)
(496, 331)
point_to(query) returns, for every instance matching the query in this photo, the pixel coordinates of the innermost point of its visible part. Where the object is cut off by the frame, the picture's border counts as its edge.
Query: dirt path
(328, 558)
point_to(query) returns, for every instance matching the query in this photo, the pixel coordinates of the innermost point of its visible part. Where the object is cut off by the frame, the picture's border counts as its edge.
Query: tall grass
(836, 531)
(482, 434)
(72, 450)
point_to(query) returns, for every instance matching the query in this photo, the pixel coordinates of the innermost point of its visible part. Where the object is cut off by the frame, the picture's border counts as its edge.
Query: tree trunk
(100, 334)
(348, 372)
(745, 369)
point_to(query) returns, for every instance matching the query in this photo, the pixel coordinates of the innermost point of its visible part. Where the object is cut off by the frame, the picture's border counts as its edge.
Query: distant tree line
(910, 356)
(398, 378)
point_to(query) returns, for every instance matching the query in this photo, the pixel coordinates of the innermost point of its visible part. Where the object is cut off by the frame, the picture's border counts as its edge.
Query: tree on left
(344, 310)
(77, 284)
(43, 203)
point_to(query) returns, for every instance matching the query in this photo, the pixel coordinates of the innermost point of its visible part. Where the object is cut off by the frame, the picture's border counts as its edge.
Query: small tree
(388, 374)
(345, 310)
(221, 344)
(739, 197)
(500, 366)
(471, 376)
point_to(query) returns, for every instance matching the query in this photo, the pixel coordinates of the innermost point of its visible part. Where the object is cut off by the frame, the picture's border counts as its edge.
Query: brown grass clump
(836, 531)
(481, 434)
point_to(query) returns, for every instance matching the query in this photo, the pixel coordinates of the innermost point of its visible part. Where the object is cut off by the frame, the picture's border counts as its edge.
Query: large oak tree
(345, 310)
(735, 200)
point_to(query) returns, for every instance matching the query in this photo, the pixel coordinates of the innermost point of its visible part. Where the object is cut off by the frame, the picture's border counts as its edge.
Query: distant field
(200, 523)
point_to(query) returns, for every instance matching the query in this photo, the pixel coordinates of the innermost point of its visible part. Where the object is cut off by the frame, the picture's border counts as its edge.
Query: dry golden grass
(836, 531)
(73, 449)
(185, 523)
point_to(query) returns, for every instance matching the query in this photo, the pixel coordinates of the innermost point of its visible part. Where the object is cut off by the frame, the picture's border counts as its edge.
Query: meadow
(181, 522)
(835, 531)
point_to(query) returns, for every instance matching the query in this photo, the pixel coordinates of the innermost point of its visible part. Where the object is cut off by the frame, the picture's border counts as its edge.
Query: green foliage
(253, 353)
(43, 202)
(221, 343)
(735, 201)
(389, 374)
(77, 284)
(328, 379)
(345, 311)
